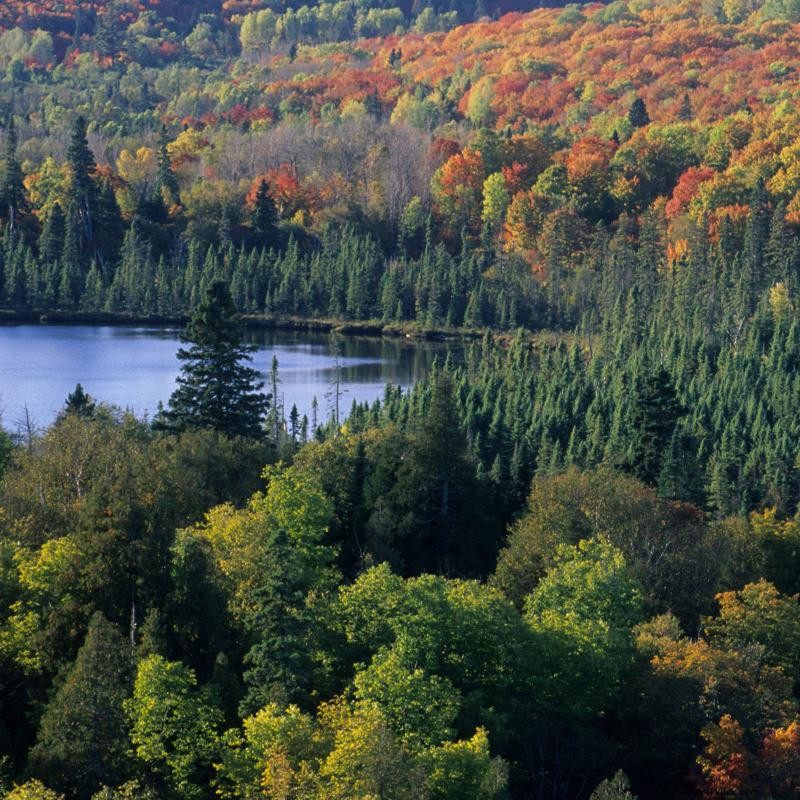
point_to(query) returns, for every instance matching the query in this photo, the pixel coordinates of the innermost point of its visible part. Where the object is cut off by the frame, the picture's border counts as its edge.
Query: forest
(564, 566)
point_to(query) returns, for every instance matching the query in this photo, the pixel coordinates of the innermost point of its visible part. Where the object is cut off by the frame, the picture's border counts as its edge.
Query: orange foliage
(686, 189)
(730, 768)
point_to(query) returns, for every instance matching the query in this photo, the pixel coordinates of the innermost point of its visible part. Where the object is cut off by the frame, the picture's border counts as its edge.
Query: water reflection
(136, 367)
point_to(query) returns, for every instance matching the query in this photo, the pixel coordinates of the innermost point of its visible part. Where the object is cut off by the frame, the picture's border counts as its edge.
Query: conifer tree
(83, 742)
(12, 192)
(79, 402)
(656, 412)
(84, 190)
(215, 389)
(637, 114)
(167, 182)
(51, 241)
(265, 215)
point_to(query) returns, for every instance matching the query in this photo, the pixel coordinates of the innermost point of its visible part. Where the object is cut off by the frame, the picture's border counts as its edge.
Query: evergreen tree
(51, 241)
(79, 403)
(278, 667)
(12, 192)
(656, 412)
(109, 32)
(167, 182)
(83, 742)
(637, 114)
(264, 215)
(215, 389)
(437, 514)
(84, 190)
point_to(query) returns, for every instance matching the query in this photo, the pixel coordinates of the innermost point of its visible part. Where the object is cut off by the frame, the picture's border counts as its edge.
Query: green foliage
(616, 788)
(82, 739)
(585, 608)
(174, 726)
(215, 390)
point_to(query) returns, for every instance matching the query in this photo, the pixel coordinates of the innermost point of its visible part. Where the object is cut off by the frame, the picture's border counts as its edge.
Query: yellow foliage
(139, 167)
(48, 186)
(779, 300)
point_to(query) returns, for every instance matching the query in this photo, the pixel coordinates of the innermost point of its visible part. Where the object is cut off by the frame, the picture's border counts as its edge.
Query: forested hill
(89, 21)
(566, 567)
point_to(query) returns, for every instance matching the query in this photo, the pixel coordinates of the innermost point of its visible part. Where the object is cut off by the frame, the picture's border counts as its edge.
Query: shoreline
(368, 328)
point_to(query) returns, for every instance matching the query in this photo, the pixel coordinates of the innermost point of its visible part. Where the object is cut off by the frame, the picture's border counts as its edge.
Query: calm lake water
(135, 368)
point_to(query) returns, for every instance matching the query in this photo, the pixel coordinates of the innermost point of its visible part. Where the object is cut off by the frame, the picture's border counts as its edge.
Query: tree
(435, 513)
(82, 740)
(167, 182)
(12, 192)
(760, 614)
(173, 726)
(264, 215)
(215, 390)
(84, 190)
(584, 609)
(33, 790)
(655, 414)
(110, 30)
(616, 788)
(637, 114)
(80, 403)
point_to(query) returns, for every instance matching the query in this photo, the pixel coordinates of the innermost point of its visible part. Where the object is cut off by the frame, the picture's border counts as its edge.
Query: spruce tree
(637, 114)
(656, 412)
(51, 241)
(82, 742)
(215, 389)
(264, 215)
(12, 192)
(167, 182)
(82, 166)
(79, 403)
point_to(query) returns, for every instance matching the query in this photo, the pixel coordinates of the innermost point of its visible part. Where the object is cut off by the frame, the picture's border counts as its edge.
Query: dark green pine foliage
(12, 192)
(83, 742)
(166, 181)
(51, 240)
(78, 402)
(109, 33)
(84, 190)
(264, 215)
(637, 114)
(656, 412)
(438, 508)
(278, 666)
(215, 388)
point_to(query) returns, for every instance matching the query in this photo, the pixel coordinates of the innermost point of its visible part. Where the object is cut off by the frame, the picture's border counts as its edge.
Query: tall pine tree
(215, 389)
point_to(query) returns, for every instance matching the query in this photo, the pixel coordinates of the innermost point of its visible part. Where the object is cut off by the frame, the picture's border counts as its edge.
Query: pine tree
(82, 166)
(110, 30)
(51, 241)
(264, 216)
(79, 403)
(12, 192)
(656, 412)
(166, 180)
(637, 114)
(215, 389)
(278, 663)
(83, 742)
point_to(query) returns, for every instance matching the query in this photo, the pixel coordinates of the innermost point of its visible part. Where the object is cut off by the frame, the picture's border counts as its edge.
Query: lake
(135, 367)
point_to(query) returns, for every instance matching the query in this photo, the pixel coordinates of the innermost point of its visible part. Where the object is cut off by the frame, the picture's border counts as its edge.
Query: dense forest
(566, 566)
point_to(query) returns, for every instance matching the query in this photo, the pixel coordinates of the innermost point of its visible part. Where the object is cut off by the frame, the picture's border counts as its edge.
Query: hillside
(563, 565)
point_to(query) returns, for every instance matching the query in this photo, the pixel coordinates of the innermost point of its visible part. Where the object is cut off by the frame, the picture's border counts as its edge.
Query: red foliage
(686, 189)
